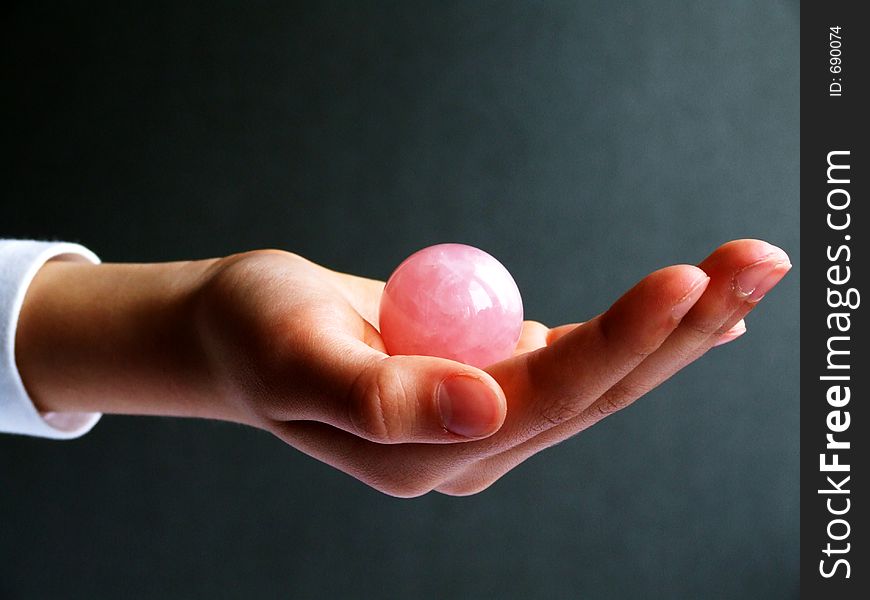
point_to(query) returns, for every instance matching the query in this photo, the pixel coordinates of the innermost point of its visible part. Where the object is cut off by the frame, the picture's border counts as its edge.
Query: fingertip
(694, 293)
(533, 336)
(732, 334)
(470, 405)
(557, 332)
(737, 253)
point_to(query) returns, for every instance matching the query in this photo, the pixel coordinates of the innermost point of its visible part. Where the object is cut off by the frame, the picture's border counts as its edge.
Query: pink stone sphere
(452, 301)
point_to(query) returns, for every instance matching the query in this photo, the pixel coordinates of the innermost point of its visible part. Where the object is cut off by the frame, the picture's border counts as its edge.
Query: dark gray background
(583, 144)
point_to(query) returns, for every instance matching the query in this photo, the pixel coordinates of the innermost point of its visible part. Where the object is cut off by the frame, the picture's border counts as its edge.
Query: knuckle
(557, 410)
(607, 406)
(560, 410)
(641, 348)
(615, 400)
(376, 401)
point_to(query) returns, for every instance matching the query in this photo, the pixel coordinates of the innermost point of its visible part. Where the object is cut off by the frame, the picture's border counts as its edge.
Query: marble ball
(452, 301)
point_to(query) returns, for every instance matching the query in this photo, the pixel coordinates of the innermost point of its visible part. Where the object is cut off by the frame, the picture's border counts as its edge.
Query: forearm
(115, 338)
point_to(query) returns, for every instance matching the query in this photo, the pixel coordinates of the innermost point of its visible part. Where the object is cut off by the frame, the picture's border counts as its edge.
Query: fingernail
(680, 309)
(467, 406)
(753, 282)
(731, 335)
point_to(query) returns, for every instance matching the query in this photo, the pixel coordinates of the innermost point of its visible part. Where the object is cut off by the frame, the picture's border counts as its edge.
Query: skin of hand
(274, 341)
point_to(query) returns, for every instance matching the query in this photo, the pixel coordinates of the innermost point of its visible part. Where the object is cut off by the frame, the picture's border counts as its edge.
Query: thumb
(397, 399)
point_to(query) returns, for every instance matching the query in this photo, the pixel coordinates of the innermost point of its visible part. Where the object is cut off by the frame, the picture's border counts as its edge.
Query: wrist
(115, 338)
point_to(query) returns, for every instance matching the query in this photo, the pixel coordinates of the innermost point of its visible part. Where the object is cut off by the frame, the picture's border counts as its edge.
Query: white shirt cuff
(19, 262)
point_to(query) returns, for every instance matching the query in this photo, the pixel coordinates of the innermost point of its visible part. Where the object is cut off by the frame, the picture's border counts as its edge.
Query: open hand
(294, 348)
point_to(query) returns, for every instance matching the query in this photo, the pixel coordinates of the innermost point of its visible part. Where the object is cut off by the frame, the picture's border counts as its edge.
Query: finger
(400, 399)
(532, 337)
(557, 332)
(732, 334)
(555, 383)
(741, 273)
(721, 309)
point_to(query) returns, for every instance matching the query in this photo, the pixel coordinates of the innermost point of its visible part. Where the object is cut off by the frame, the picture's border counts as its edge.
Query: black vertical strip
(835, 369)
